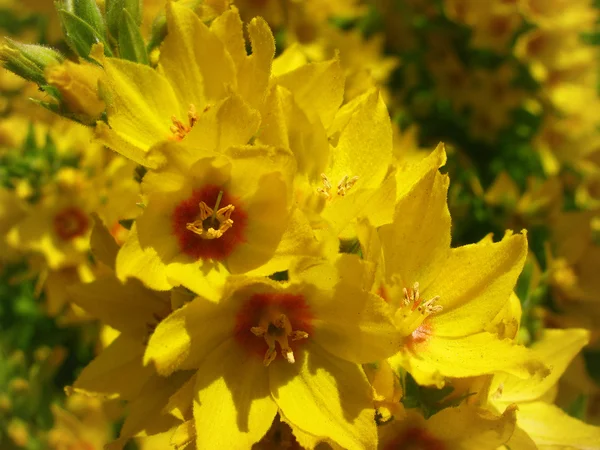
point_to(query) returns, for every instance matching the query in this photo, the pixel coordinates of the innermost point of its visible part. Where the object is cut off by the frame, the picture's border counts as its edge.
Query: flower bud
(27, 60)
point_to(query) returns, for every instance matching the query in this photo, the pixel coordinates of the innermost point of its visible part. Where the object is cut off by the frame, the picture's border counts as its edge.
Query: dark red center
(188, 211)
(263, 305)
(70, 223)
(415, 438)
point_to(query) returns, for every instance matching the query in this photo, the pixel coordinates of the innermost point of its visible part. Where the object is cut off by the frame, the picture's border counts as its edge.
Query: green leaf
(79, 35)
(88, 11)
(114, 8)
(131, 42)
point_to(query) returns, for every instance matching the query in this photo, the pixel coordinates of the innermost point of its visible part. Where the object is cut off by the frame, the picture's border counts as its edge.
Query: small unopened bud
(27, 60)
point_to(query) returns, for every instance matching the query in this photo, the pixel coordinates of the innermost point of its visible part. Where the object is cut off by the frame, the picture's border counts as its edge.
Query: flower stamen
(343, 186)
(414, 310)
(276, 329)
(179, 129)
(212, 223)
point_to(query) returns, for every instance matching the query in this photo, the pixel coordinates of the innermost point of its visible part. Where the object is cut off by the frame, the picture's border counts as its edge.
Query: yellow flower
(198, 67)
(444, 299)
(134, 311)
(204, 211)
(540, 423)
(261, 347)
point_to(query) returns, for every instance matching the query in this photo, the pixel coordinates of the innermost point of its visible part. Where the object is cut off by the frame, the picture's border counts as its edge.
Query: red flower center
(269, 320)
(70, 222)
(415, 438)
(189, 211)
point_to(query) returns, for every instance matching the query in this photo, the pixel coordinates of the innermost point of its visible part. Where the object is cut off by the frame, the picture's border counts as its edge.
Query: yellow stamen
(212, 223)
(414, 310)
(275, 329)
(179, 129)
(343, 186)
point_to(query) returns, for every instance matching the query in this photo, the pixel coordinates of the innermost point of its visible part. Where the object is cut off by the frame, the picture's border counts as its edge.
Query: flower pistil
(276, 328)
(212, 223)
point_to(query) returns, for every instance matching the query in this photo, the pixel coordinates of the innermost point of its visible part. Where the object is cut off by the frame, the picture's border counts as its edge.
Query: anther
(179, 129)
(212, 223)
(275, 328)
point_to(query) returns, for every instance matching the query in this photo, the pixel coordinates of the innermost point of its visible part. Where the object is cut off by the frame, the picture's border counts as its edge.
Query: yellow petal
(550, 427)
(233, 392)
(231, 122)
(145, 412)
(459, 357)
(318, 88)
(129, 308)
(470, 428)
(102, 244)
(364, 147)
(180, 403)
(326, 397)
(556, 349)
(194, 60)
(362, 331)
(117, 371)
(140, 103)
(188, 335)
(408, 175)
(475, 283)
(421, 229)
(143, 262)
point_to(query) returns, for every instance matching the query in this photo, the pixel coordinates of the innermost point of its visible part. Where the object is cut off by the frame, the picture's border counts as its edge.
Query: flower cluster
(269, 255)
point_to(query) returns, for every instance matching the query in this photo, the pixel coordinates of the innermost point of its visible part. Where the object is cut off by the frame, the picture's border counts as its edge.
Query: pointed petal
(188, 335)
(557, 348)
(364, 147)
(117, 371)
(103, 245)
(326, 397)
(468, 356)
(140, 103)
(410, 174)
(418, 240)
(475, 283)
(318, 89)
(550, 426)
(143, 263)
(362, 331)
(467, 427)
(194, 60)
(233, 389)
(128, 307)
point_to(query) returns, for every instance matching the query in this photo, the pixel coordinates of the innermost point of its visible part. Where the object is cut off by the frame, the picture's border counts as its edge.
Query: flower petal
(418, 240)
(468, 427)
(318, 89)
(326, 397)
(557, 348)
(188, 335)
(118, 371)
(550, 426)
(194, 60)
(475, 283)
(469, 356)
(140, 103)
(128, 307)
(143, 263)
(233, 390)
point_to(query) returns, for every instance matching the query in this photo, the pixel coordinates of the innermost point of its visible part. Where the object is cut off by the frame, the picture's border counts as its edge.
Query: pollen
(179, 129)
(282, 320)
(212, 223)
(414, 310)
(343, 186)
(277, 329)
